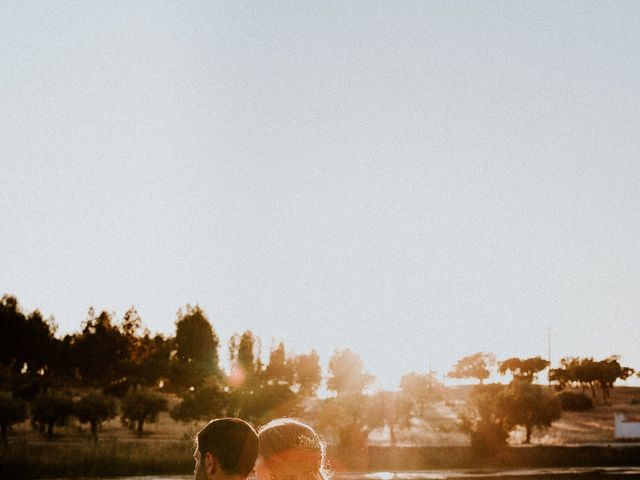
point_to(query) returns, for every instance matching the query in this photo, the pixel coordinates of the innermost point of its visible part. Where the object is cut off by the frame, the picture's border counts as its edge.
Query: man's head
(225, 447)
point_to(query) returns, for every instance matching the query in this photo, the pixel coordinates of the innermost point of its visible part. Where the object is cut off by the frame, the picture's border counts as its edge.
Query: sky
(416, 181)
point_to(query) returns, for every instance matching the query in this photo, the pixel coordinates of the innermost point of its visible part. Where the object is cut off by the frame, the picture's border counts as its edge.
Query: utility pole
(549, 355)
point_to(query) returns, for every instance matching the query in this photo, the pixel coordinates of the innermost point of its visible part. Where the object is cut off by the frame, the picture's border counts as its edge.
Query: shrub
(575, 401)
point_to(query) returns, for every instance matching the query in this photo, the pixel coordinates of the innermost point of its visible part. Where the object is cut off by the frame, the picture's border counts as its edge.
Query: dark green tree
(101, 352)
(196, 355)
(12, 410)
(142, 406)
(95, 408)
(28, 346)
(207, 402)
(50, 409)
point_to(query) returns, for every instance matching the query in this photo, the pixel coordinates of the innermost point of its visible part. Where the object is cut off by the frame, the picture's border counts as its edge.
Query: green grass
(58, 460)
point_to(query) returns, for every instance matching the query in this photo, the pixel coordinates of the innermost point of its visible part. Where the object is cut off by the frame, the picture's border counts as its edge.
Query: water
(582, 473)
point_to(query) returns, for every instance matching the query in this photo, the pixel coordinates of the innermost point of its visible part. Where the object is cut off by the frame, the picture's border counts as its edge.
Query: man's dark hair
(233, 442)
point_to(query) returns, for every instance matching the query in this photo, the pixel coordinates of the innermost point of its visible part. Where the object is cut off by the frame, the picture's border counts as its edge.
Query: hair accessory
(307, 442)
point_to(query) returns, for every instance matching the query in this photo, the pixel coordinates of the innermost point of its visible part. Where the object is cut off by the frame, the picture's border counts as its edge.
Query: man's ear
(210, 463)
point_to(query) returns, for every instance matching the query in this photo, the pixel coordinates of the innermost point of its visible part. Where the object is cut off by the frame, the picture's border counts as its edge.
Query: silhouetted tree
(142, 406)
(207, 402)
(95, 408)
(588, 373)
(263, 402)
(101, 351)
(27, 342)
(12, 410)
(50, 409)
(196, 356)
(473, 366)
(523, 369)
(607, 372)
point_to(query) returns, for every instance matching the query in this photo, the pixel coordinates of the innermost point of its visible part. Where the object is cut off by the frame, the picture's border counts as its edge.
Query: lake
(583, 473)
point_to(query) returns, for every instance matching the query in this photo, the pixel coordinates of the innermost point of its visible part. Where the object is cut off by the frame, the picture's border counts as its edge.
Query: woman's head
(288, 449)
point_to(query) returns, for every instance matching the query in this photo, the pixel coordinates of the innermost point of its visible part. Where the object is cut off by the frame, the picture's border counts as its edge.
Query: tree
(101, 352)
(422, 389)
(12, 410)
(484, 420)
(349, 419)
(393, 409)
(208, 401)
(473, 366)
(244, 352)
(196, 356)
(575, 371)
(523, 369)
(27, 342)
(528, 405)
(50, 409)
(95, 408)
(263, 402)
(258, 393)
(280, 369)
(607, 372)
(588, 373)
(346, 373)
(307, 373)
(142, 406)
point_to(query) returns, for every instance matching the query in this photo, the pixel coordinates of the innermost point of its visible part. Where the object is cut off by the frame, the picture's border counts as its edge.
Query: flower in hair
(307, 442)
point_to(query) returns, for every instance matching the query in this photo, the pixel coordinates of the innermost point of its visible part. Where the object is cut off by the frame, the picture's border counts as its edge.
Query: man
(226, 449)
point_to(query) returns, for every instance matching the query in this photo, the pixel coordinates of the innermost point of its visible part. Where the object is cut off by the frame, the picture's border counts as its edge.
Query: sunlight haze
(410, 180)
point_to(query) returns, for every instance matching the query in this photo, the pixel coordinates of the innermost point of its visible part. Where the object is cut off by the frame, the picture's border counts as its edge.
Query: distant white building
(626, 428)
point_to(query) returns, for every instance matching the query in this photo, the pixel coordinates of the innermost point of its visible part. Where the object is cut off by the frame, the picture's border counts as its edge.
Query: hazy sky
(400, 178)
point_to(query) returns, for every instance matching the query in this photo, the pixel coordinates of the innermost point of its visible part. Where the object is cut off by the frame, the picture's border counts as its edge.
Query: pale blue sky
(400, 178)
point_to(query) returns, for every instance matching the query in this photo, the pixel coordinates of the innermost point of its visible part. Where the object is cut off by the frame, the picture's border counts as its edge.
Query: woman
(288, 449)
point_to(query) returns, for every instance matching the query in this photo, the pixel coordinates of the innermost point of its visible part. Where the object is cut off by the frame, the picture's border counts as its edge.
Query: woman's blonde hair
(292, 450)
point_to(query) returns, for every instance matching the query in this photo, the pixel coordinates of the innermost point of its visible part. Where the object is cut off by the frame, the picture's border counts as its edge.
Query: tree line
(124, 369)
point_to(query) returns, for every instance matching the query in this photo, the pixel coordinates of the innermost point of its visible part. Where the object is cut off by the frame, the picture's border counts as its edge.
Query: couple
(285, 449)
